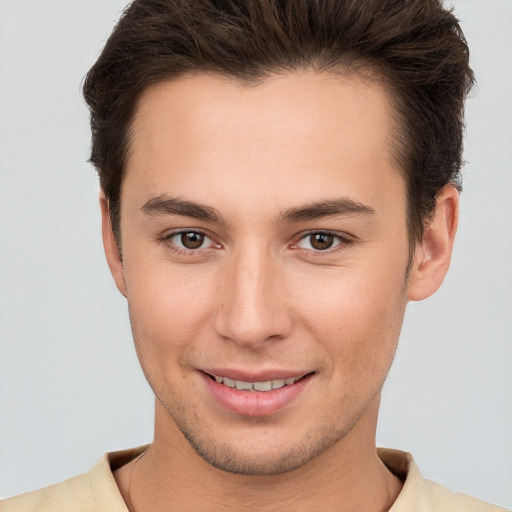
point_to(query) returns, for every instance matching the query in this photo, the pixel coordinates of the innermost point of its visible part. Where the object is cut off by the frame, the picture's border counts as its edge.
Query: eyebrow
(320, 209)
(165, 205)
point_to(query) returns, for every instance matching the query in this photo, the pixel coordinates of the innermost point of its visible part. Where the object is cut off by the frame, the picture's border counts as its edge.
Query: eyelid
(344, 240)
(168, 235)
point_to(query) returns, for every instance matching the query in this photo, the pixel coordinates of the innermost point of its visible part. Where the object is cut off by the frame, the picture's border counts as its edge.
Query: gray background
(70, 384)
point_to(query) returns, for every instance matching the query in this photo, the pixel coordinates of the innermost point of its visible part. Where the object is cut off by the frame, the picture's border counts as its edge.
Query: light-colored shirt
(97, 490)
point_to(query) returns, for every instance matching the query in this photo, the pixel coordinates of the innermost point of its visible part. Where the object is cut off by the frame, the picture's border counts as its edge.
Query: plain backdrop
(71, 387)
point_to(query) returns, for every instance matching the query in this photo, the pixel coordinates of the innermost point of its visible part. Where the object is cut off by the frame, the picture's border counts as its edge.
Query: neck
(347, 477)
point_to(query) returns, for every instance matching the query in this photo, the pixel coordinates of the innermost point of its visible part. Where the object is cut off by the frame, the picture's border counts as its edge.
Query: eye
(320, 241)
(190, 240)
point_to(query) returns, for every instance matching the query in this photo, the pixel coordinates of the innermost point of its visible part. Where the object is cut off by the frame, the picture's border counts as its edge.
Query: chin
(267, 463)
(264, 457)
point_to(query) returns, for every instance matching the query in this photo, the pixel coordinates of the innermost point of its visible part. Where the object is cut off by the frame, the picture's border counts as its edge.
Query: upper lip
(260, 376)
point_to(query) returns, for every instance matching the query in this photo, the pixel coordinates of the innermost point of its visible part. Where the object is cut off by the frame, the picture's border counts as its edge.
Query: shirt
(97, 490)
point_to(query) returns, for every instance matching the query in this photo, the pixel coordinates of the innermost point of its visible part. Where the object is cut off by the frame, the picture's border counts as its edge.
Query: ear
(112, 251)
(433, 253)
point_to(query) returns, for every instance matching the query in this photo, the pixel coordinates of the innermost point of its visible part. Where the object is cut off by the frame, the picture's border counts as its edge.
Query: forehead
(304, 131)
(307, 103)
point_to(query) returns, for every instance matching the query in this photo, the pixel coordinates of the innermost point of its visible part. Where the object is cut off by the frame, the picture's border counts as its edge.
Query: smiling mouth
(261, 387)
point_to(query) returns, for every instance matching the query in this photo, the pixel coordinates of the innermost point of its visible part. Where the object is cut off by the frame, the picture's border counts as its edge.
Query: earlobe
(111, 248)
(433, 253)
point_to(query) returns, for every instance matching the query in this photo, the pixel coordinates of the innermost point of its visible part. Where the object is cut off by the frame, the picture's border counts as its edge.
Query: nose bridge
(252, 308)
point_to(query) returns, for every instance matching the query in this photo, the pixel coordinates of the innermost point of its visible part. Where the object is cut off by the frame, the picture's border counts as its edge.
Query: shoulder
(438, 497)
(90, 492)
(73, 494)
(421, 495)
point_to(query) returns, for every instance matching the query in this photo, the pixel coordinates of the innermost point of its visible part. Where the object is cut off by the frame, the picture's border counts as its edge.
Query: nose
(253, 304)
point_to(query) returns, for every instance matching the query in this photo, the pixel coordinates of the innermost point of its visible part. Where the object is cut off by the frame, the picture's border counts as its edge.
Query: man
(278, 180)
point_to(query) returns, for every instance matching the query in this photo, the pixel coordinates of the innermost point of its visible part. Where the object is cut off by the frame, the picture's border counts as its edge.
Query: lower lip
(255, 403)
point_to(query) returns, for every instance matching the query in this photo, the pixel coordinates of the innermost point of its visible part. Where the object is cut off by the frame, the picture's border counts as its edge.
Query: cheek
(169, 308)
(356, 315)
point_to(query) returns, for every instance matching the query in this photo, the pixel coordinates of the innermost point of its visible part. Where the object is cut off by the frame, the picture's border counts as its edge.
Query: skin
(258, 296)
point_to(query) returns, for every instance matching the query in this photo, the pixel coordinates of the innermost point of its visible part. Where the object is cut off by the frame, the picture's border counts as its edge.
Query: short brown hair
(415, 46)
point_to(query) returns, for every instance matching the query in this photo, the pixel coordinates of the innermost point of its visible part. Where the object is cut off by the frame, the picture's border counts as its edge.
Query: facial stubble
(226, 457)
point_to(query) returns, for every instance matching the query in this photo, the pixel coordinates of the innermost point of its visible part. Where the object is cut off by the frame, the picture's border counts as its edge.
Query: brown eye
(321, 241)
(190, 242)
(192, 239)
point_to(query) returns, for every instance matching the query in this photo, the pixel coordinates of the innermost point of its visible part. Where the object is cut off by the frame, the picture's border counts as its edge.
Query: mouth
(261, 386)
(255, 395)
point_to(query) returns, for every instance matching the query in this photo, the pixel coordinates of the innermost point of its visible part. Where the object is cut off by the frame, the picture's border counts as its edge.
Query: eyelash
(343, 242)
(166, 239)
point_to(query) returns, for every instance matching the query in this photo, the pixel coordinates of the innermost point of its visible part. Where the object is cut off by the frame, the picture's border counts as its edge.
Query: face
(265, 247)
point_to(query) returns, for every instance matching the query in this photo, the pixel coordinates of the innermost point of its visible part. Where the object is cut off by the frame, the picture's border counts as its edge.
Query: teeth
(263, 386)
(256, 386)
(240, 384)
(228, 382)
(278, 383)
